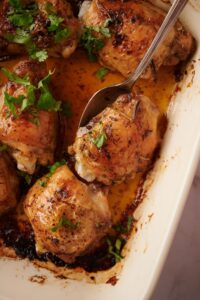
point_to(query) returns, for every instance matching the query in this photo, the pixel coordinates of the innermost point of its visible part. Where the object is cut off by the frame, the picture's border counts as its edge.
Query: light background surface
(180, 278)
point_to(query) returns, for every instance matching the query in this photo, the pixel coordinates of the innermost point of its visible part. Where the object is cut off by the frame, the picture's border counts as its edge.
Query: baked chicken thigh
(37, 27)
(68, 217)
(29, 131)
(132, 26)
(119, 142)
(9, 184)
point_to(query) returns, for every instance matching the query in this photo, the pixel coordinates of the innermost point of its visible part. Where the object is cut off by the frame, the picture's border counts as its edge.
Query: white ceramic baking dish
(158, 215)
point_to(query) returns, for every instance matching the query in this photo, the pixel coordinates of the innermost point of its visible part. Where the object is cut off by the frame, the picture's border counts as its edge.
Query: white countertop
(180, 278)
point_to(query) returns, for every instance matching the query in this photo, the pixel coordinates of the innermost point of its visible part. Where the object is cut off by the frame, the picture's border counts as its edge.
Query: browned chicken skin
(68, 217)
(29, 143)
(133, 25)
(131, 129)
(40, 35)
(9, 184)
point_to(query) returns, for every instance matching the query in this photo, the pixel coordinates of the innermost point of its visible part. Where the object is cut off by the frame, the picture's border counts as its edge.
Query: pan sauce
(75, 81)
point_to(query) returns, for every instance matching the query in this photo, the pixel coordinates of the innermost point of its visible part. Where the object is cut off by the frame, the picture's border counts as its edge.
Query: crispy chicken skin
(40, 35)
(131, 129)
(29, 143)
(9, 184)
(64, 197)
(133, 26)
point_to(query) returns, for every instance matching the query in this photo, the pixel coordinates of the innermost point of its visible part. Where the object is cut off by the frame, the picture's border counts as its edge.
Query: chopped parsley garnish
(101, 73)
(56, 165)
(26, 176)
(3, 148)
(64, 222)
(52, 169)
(98, 140)
(29, 101)
(56, 24)
(22, 18)
(92, 39)
(114, 248)
(124, 228)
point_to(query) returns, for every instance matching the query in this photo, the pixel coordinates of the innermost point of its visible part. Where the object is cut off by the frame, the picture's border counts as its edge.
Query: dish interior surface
(159, 213)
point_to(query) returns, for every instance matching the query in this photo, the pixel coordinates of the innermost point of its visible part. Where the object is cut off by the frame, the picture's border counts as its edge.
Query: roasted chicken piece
(133, 25)
(31, 26)
(119, 142)
(9, 184)
(68, 217)
(31, 134)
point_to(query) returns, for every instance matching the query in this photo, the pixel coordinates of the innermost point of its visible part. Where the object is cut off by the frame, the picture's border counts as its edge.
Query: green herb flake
(42, 183)
(3, 148)
(101, 73)
(40, 55)
(55, 22)
(64, 222)
(22, 17)
(124, 229)
(26, 176)
(56, 165)
(115, 248)
(92, 42)
(62, 34)
(25, 81)
(100, 140)
(29, 102)
(129, 223)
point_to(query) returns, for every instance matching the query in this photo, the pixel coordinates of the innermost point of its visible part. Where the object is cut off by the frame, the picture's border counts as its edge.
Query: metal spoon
(108, 95)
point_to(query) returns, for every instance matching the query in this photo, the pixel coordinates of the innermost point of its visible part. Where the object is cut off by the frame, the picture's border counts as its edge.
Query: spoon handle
(167, 24)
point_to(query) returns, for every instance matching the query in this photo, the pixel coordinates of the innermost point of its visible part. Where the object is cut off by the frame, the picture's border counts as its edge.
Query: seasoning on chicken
(28, 118)
(68, 217)
(119, 142)
(38, 27)
(9, 184)
(132, 26)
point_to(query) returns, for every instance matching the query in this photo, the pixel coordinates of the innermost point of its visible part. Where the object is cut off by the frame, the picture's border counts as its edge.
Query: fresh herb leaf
(22, 17)
(129, 223)
(26, 176)
(114, 248)
(21, 20)
(45, 102)
(124, 228)
(91, 43)
(40, 55)
(20, 37)
(11, 101)
(100, 140)
(42, 183)
(56, 165)
(62, 34)
(55, 22)
(101, 73)
(64, 222)
(3, 148)
(52, 169)
(25, 81)
(94, 42)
